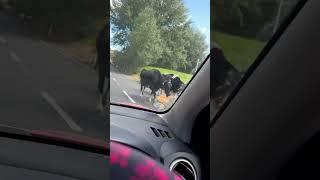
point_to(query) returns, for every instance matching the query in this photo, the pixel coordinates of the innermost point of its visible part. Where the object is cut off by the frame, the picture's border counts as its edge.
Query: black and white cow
(166, 84)
(225, 77)
(151, 79)
(103, 69)
(172, 84)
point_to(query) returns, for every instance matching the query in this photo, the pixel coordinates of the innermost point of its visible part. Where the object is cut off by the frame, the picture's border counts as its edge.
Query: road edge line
(64, 115)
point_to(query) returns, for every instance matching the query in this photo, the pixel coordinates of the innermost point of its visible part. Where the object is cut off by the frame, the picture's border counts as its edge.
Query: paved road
(125, 90)
(42, 88)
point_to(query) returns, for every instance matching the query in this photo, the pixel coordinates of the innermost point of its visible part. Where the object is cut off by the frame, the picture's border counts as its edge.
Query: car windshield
(47, 66)
(156, 47)
(241, 31)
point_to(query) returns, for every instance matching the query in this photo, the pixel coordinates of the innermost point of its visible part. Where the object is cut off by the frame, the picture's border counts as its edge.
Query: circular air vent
(184, 168)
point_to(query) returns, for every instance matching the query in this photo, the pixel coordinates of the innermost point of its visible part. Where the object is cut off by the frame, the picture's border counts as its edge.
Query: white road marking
(3, 40)
(128, 96)
(115, 81)
(14, 57)
(67, 118)
(124, 92)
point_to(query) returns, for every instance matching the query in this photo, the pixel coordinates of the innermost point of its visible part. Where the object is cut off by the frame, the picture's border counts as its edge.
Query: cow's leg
(141, 89)
(100, 102)
(102, 76)
(95, 63)
(106, 97)
(154, 97)
(150, 97)
(100, 94)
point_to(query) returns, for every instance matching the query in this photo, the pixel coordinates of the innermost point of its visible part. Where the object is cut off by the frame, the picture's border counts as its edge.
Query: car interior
(37, 156)
(269, 126)
(175, 138)
(41, 150)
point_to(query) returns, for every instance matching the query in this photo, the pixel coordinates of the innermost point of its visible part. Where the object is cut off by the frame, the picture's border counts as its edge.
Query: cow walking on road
(151, 79)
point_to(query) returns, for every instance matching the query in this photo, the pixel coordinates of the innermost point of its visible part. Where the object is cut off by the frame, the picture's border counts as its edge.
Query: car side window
(241, 31)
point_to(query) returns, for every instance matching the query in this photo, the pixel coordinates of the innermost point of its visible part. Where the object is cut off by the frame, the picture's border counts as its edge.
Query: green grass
(185, 78)
(241, 52)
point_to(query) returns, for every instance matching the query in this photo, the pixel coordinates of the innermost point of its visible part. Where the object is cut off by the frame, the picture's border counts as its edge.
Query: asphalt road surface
(123, 89)
(42, 88)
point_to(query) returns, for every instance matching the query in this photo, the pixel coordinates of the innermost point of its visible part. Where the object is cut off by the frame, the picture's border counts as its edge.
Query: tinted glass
(241, 30)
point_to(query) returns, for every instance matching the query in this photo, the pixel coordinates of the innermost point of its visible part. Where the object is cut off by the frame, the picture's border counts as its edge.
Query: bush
(124, 63)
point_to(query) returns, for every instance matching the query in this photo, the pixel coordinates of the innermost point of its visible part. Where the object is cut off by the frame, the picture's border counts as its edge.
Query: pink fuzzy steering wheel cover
(130, 164)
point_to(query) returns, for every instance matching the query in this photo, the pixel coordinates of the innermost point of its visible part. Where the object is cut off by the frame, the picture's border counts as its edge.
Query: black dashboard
(149, 133)
(20, 159)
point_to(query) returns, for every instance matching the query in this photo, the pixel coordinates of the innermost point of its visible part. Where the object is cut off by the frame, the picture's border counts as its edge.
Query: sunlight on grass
(185, 78)
(241, 52)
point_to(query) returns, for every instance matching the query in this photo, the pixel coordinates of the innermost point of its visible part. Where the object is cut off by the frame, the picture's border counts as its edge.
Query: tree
(63, 20)
(242, 17)
(174, 53)
(250, 18)
(145, 40)
(172, 19)
(195, 49)
(122, 18)
(171, 24)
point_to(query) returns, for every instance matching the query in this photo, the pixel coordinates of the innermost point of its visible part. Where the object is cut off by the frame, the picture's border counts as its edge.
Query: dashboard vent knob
(184, 168)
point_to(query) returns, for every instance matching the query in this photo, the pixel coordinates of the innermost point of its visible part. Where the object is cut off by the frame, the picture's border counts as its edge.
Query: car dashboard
(20, 159)
(149, 133)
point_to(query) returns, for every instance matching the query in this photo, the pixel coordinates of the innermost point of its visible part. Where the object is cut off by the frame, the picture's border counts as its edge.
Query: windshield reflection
(49, 66)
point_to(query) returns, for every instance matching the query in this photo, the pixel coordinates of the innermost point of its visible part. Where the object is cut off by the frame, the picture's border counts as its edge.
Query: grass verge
(185, 78)
(241, 52)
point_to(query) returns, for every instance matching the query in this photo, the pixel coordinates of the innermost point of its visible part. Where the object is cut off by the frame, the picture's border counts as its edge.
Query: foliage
(63, 20)
(145, 40)
(195, 48)
(156, 32)
(250, 18)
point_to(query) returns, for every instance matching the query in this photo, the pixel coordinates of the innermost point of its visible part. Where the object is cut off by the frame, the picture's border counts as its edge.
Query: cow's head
(167, 87)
